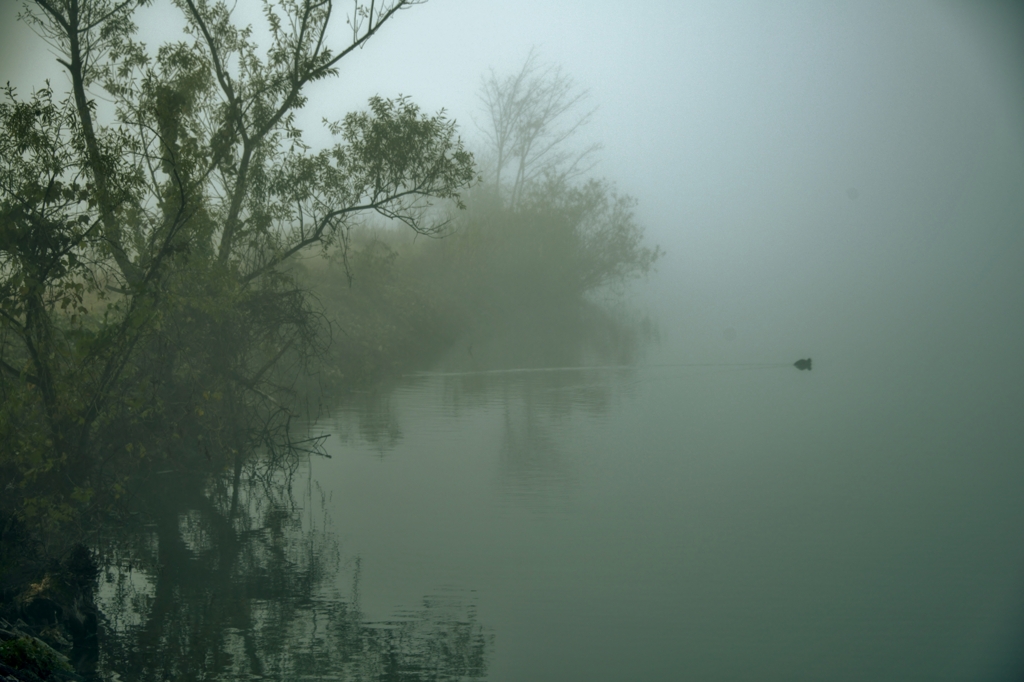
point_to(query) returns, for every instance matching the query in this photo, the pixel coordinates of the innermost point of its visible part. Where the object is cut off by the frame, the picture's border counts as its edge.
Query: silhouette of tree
(531, 119)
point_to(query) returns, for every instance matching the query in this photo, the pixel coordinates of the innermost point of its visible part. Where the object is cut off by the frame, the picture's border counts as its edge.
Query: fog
(745, 129)
(842, 181)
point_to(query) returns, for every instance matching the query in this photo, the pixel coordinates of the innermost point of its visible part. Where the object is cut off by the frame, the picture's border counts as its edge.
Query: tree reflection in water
(608, 341)
(536, 408)
(234, 578)
(237, 575)
(533, 379)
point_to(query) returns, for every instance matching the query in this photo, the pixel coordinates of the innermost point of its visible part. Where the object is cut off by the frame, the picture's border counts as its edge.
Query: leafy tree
(144, 285)
(601, 242)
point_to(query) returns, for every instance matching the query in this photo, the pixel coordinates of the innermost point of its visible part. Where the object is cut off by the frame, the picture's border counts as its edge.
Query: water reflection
(532, 374)
(529, 452)
(373, 421)
(238, 579)
(523, 416)
(240, 575)
(537, 410)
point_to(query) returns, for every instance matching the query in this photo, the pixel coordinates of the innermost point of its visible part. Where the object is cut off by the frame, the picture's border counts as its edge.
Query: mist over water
(858, 521)
(660, 494)
(852, 522)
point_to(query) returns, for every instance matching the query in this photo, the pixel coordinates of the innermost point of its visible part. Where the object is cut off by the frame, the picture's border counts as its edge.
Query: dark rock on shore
(26, 658)
(48, 619)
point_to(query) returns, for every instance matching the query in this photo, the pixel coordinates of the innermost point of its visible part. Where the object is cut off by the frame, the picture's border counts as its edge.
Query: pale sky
(744, 129)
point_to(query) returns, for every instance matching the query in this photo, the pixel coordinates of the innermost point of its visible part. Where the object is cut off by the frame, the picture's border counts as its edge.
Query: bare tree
(532, 117)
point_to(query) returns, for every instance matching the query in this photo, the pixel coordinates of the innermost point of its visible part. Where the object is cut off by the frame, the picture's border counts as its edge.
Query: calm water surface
(856, 522)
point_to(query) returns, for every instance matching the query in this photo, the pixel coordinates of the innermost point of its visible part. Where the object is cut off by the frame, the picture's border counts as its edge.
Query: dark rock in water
(803, 364)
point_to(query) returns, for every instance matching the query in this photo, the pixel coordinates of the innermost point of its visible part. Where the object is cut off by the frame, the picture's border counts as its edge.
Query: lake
(662, 518)
(668, 521)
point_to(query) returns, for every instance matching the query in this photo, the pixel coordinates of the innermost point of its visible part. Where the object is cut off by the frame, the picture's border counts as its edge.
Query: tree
(532, 117)
(605, 244)
(559, 235)
(142, 262)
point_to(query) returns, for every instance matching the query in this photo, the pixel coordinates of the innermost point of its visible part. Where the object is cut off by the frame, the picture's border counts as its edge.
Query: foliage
(386, 319)
(522, 260)
(526, 274)
(145, 293)
(538, 229)
(586, 233)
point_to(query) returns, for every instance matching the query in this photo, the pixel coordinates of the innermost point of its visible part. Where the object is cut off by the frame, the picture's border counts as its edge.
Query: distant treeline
(523, 274)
